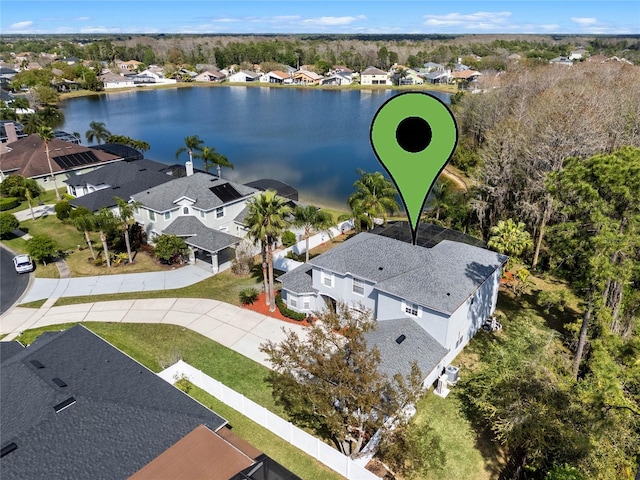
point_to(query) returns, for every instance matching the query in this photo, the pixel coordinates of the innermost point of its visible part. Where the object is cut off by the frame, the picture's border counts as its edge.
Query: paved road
(12, 284)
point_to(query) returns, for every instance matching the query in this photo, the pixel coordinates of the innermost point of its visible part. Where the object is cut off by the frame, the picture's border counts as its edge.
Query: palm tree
(85, 222)
(98, 132)
(210, 157)
(125, 217)
(46, 134)
(401, 74)
(266, 221)
(31, 123)
(441, 197)
(25, 188)
(193, 146)
(510, 238)
(105, 221)
(312, 219)
(375, 197)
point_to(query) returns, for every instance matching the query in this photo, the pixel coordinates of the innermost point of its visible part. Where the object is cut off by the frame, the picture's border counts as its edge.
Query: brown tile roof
(464, 74)
(29, 159)
(201, 454)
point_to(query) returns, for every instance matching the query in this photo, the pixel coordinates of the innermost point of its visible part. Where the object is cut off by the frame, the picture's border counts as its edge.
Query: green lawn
(224, 286)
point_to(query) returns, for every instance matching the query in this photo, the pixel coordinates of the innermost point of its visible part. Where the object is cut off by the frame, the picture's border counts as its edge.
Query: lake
(312, 139)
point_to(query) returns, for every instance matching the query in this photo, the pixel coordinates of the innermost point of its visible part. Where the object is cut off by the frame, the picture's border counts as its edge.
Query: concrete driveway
(237, 328)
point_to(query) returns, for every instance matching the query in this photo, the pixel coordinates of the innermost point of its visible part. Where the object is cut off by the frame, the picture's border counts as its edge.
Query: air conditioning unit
(452, 374)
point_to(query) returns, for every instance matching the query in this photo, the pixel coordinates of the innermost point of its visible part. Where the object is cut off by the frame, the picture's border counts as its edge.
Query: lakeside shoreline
(451, 89)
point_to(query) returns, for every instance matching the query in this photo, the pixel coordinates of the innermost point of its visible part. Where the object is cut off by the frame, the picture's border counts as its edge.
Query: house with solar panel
(27, 157)
(428, 301)
(208, 212)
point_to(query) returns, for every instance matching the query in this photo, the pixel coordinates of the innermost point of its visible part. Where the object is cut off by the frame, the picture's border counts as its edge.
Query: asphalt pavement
(12, 284)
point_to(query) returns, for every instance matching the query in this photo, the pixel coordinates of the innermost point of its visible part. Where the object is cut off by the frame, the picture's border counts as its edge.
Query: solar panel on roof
(76, 159)
(225, 192)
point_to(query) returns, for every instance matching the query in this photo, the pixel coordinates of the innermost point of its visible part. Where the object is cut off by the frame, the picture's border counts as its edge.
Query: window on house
(167, 215)
(185, 210)
(459, 341)
(327, 280)
(305, 303)
(411, 309)
(219, 212)
(203, 214)
(152, 215)
(358, 286)
(293, 301)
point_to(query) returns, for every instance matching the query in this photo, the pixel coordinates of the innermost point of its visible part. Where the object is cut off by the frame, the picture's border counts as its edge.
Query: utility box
(452, 374)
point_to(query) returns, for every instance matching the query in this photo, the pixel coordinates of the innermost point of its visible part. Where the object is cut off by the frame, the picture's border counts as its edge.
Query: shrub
(8, 223)
(289, 238)
(248, 296)
(62, 209)
(170, 248)
(42, 248)
(286, 311)
(8, 203)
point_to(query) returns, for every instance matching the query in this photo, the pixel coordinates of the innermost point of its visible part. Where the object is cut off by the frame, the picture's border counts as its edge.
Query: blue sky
(314, 16)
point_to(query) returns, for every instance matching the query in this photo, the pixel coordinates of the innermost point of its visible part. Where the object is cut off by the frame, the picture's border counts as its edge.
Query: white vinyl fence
(287, 264)
(345, 466)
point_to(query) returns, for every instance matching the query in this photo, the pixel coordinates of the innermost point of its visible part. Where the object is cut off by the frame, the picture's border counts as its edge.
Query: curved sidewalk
(237, 328)
(42, 288)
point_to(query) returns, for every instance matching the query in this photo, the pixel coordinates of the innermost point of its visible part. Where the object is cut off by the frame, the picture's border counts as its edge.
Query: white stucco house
(428, 302)
(201, 208)
(374, 76)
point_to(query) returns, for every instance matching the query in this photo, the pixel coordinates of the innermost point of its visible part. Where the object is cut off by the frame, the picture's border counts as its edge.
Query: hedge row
(8, 203)
(287, 312)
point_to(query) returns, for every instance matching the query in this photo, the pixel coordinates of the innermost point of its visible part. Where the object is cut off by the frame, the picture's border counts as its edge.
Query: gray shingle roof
(396, 357)
(123, 416)
(440, 278)
(299, 280)
(196, 187)
(119, 173)
(199, 235)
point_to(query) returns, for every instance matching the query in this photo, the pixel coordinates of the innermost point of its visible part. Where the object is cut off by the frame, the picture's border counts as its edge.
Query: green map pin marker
(413, 135)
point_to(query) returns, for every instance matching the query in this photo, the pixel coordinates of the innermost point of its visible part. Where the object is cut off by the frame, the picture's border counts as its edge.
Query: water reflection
(313, 139)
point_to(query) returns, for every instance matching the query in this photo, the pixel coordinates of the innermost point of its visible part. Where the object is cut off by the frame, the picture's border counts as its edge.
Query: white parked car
(23, 263)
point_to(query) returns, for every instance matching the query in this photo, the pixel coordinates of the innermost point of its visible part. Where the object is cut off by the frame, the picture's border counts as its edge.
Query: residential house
(114, 80)
(561, 61)
(432, 67)
(210, 76)
(436, 298)
(306, 77)
(465, 78)
(410, 76)
(438, 76)
(97, 189)
(27, 157)
(276, 76)
(152, 76)
(578, 54)
(74, 406)
(203, 209)
(244, 76)
(130, 66)
(374, 76)
(338, 78)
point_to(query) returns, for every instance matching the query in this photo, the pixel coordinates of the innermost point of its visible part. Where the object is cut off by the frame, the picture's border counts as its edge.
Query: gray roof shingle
(299, 280)
(418, 346)
(440, 278)
(199, 235)
(123, 416)
(196, 187)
